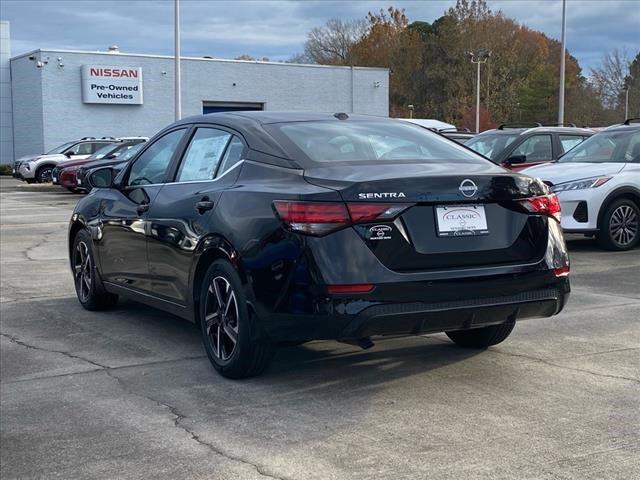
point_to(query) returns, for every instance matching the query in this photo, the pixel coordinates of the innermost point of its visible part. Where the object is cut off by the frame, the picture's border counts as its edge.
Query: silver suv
(38, 168)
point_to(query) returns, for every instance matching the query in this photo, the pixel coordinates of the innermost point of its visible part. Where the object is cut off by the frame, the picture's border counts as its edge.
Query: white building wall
(279, 86)
(6, 116)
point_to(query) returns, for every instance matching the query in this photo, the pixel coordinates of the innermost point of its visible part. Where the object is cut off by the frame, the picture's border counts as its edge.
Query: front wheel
(482, 337)
(620, 226)
(235, 344)
(43, 175)
(89, 289)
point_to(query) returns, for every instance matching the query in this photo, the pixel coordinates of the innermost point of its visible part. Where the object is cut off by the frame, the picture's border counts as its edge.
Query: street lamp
(562, 67)
(478, 57)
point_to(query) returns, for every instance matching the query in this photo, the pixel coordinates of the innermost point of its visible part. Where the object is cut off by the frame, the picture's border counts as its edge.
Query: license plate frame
(461, 220)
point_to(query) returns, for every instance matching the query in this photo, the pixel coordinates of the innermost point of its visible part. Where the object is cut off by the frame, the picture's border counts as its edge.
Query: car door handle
(203, 206)
(142, 208)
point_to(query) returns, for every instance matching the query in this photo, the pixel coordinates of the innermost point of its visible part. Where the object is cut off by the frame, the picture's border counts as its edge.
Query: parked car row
(39, 168)
(66, 173)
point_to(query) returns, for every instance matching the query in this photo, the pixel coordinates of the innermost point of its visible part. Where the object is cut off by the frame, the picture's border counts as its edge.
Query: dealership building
(59, 95)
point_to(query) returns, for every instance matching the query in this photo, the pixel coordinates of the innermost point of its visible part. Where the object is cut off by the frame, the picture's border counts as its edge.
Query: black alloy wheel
(82, 271)
(235, 344)
(221, 318)
(89, 288)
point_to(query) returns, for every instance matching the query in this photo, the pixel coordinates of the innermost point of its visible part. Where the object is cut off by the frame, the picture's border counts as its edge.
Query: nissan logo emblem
(468, 188)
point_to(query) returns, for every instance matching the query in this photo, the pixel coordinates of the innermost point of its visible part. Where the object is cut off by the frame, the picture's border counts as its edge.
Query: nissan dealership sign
(108, 84)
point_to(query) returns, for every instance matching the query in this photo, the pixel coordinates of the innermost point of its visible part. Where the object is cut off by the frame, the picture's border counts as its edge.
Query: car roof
(542, 129)
(631, 124)
(249, 124)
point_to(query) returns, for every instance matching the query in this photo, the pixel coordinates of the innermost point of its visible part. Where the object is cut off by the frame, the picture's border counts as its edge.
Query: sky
(277, 29)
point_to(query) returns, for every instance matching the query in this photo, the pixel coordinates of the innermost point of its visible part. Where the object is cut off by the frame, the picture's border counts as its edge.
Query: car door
(181, 215)
(536, 149)
(122, 242)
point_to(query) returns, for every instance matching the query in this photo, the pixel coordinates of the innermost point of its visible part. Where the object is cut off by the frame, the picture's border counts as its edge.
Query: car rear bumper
(344, 317)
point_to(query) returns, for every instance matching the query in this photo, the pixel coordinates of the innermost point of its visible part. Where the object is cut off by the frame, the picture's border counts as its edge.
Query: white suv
(598, 184)
(38, 168)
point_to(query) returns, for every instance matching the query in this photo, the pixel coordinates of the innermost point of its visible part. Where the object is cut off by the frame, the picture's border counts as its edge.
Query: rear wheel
(620, 225)
(235, 344)
(43, 175)
(89, 289)
(482, 337)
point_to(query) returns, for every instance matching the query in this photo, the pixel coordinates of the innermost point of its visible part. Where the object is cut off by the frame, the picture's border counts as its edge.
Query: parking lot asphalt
(129, 393)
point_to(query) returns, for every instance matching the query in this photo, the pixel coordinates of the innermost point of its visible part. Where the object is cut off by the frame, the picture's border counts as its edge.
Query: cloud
(277, 29)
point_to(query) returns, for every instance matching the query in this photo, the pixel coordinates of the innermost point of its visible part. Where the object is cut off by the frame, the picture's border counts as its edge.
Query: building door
(214, 107)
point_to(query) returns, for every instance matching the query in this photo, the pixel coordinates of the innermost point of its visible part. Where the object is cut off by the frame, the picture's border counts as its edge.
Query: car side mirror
(102, 178)
(68, 154)
(515, 159)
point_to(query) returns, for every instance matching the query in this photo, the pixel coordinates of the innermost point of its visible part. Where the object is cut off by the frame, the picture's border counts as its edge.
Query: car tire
(43, 174)
(30, 180)
(89, 288)
(235, 344)
(619, 227)
(483, 337)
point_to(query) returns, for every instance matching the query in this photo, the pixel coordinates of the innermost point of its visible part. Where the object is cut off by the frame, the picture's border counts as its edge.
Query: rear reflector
(548, 205)
(562, 271)
(351, 288)
(321, 218)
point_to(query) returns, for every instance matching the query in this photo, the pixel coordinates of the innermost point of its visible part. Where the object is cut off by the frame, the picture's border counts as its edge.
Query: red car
(64, 174)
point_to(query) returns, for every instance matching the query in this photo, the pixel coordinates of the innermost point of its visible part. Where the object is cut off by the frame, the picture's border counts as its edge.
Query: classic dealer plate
(461, 220)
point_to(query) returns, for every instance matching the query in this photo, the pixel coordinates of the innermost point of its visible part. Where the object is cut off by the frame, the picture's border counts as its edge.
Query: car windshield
(61, 148)
(618, 146)
(491, 144)
(104, 151)
(368, 141)
(129, 151)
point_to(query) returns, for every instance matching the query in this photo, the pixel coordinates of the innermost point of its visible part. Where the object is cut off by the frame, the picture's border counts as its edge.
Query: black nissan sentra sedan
(268, 228)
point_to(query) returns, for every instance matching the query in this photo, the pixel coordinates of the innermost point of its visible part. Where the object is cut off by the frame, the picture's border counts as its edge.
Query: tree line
(430, 67)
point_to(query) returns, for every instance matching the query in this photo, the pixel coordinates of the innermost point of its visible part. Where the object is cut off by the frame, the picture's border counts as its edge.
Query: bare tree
(331, 44)
(609, 78)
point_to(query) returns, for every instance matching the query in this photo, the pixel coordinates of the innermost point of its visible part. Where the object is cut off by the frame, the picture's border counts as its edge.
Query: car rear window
(367, 141)
(492, 144)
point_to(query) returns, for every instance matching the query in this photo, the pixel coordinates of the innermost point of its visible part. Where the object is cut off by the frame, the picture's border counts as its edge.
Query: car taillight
(562, 271)
(321, 218)
(548, 205)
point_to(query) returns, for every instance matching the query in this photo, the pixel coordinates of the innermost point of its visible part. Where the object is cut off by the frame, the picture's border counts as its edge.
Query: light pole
(481, 56)
(562, 55)
(177, 92)
(626, 103)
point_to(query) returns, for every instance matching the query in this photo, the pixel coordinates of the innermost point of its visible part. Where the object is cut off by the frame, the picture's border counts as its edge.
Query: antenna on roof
(341, 116)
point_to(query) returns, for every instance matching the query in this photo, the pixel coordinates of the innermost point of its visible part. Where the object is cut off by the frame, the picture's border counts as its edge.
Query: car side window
(570, 141)
(203, 154)
(232, 156)
(94, 147)
(535, 148)
(150, 167)
(84, 149)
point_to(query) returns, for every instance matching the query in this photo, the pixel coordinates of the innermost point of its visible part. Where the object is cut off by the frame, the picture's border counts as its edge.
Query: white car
(598, 184)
